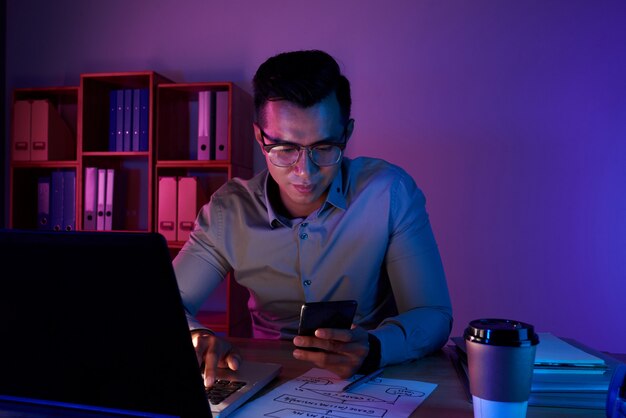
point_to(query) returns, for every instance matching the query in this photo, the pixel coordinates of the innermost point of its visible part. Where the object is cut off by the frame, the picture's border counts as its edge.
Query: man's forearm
(413, 334)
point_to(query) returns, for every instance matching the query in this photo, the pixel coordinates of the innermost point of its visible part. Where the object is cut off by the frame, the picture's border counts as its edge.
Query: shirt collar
(272, 217)
(337, 190)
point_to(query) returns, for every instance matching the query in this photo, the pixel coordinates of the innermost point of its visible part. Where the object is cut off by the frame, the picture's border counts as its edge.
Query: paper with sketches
(317, 393)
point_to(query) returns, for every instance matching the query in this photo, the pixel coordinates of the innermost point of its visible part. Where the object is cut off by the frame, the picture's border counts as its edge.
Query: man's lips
(303, 188)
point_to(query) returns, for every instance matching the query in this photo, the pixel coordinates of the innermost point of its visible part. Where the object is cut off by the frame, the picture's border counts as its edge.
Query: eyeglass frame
(308, 148)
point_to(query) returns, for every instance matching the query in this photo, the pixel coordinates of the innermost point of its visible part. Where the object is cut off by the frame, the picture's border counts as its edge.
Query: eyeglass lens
(288, 155)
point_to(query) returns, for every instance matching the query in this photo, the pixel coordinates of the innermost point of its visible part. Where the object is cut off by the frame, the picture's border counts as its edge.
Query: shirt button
(304, 224)
(307, 283)
(304, 236)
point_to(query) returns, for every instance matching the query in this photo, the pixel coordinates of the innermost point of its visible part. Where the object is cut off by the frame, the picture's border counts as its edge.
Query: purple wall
(511, 116)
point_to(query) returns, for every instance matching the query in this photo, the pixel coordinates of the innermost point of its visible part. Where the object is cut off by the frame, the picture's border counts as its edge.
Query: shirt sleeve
(417, 279)
(198, 266)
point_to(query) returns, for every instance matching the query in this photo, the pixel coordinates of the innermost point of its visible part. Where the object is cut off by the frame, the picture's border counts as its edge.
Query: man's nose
(304, 165)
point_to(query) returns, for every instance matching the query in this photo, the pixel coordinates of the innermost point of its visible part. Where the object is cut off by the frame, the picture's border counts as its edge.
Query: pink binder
(51, 138)
(187, 206)
(205, 144)
(21, 130)
(221, 125)
(166, 208)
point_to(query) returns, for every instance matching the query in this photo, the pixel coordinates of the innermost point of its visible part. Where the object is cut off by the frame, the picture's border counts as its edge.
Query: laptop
(94, 320)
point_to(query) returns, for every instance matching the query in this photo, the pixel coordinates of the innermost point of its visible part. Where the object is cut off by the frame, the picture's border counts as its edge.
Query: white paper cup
(500, 357)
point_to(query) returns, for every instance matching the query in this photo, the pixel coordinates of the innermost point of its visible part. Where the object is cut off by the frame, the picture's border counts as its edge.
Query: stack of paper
(567, 374)
(320, 393)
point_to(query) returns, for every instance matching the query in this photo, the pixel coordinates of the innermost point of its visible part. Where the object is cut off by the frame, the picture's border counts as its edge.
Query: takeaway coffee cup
(500, 357)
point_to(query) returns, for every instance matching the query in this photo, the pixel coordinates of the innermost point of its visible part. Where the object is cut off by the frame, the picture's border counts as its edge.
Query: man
(318, 226)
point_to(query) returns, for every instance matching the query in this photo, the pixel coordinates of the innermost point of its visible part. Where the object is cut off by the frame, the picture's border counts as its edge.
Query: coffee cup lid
(503, 332)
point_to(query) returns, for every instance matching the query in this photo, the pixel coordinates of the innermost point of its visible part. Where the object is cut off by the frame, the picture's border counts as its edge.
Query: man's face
(303, 186)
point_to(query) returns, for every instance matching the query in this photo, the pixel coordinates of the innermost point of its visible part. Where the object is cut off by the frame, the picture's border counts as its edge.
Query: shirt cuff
(392, 344)
(195, 325)
(372, 361)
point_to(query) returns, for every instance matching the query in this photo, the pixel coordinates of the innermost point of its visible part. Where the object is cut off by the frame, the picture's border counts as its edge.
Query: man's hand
(344, 350)
(213, 352)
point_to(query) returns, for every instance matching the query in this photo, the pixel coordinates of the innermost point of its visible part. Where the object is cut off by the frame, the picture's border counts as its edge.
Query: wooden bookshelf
(171, 151)
(177, 155)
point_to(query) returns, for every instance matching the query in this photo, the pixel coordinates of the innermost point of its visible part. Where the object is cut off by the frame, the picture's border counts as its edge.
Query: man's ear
(257, 134)
(349, 129)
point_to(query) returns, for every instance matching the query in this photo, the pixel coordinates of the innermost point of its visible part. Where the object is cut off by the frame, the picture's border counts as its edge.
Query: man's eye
(283, 149)
(324, 148)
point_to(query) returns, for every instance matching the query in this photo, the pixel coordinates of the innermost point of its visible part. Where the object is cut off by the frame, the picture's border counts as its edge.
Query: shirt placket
(304, 243)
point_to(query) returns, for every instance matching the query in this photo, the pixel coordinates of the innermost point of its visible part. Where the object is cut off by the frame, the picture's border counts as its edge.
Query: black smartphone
(335, 314)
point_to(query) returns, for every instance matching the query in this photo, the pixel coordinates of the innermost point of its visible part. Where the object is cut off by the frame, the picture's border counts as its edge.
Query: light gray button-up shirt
(370, 241)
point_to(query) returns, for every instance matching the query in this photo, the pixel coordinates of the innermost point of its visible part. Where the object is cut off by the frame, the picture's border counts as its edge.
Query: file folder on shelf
(69, 200)
(108, 202)
(43, 202)
(21, 131)
(166, 208)
(56, 201)
(90, 198)
(112, 120)
(187, 206)
(136, 120)
(102, 181)
(221, 125)
(119, 120)
(50, 137)
(206, 126)
(128, 119)
(144, 118)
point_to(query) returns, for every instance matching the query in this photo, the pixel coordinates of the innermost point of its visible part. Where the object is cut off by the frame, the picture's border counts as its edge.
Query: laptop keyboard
(222, 389)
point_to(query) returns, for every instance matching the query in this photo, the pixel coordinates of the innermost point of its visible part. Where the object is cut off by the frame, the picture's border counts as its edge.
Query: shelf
(44, 164)
(192, 164)
(24, 175)
(172, 151)
(113, 154)
(177, 122)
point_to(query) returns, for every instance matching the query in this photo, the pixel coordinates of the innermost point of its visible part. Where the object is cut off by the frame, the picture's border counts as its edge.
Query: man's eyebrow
(329, 140)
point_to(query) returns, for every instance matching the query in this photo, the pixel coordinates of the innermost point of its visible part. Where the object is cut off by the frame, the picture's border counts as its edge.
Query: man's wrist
(201, 331)
(198, 333)
(372, 361)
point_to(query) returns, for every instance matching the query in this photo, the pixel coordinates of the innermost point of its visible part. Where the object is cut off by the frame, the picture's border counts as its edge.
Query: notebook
(94, 320)
(555, 355)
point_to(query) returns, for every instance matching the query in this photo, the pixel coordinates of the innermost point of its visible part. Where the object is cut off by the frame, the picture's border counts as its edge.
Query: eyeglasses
(323, 153)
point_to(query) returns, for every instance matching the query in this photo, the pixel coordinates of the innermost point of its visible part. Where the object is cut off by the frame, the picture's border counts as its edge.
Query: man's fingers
(200, 343)
(210, 367)
(233, 360)
(344, 350)
(334, 334)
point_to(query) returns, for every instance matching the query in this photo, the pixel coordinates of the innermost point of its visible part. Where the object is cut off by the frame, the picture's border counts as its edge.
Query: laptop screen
(95, 318)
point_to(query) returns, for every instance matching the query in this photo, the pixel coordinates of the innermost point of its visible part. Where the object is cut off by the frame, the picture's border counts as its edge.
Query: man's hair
(304, 78)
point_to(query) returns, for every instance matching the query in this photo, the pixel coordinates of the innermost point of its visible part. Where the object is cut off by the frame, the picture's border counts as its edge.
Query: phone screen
(334, 314)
